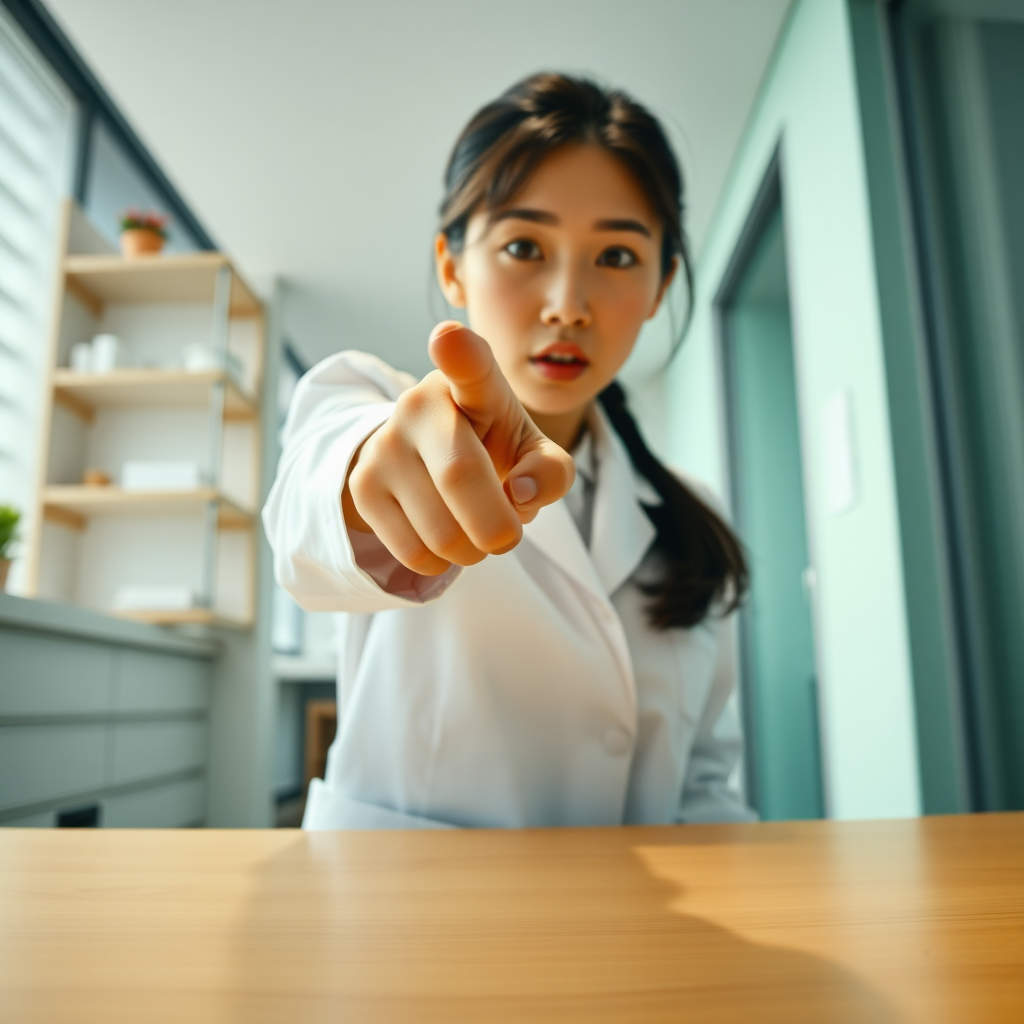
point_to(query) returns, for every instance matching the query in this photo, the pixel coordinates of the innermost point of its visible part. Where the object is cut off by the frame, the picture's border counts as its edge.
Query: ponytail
(706, 568)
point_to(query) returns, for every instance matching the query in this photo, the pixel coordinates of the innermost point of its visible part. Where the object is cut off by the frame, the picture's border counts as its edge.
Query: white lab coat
(526, 690)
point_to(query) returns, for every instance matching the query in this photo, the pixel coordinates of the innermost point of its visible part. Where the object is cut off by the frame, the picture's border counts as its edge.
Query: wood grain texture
(803, 922)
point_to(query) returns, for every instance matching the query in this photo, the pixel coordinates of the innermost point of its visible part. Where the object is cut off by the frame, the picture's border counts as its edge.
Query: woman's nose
(566, 302)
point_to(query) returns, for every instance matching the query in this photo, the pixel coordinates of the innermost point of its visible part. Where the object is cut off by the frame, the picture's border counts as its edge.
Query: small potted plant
(9, 519)
(143, 233)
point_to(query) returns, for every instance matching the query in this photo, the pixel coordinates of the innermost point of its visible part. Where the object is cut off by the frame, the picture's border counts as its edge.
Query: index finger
(477, 385)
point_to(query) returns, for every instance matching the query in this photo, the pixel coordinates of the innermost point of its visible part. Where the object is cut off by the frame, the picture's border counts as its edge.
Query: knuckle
(502, 537)
(449, 543)
(361, 483)
(414, 402)
(417, 556)
(456, 471)
(388, 443)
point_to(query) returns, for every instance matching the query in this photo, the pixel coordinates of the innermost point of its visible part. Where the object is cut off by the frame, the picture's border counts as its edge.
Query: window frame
(96, 107)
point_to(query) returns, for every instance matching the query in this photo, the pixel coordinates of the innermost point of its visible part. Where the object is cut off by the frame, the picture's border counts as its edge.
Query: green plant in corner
(9, 519)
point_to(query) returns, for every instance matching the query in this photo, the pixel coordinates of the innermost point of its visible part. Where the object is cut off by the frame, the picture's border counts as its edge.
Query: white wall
(809, 106)
(311, 137)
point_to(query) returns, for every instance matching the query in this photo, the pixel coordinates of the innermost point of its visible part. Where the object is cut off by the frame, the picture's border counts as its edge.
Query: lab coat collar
(621, 532)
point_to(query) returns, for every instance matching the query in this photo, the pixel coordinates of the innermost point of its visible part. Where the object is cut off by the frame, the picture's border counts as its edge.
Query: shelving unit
(89, 540)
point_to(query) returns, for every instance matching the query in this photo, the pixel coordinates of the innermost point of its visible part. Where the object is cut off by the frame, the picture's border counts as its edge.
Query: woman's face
(560, 281)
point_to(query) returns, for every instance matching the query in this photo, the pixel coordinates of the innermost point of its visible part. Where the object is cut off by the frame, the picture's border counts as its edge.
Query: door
(779, 687)
(961, 75)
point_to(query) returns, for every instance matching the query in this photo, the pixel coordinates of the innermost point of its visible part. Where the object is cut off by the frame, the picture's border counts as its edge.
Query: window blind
(36, 117)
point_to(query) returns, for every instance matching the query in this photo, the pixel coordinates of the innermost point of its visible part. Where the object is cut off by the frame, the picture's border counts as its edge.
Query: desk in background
(806, 922)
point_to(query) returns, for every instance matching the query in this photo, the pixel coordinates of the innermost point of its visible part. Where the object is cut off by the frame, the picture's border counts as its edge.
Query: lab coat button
(616, 741)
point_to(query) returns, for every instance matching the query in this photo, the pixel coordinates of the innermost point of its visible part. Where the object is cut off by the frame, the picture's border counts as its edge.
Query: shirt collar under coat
(621, 532)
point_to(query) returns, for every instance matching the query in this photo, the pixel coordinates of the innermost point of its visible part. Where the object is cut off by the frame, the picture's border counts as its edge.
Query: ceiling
(310, 136)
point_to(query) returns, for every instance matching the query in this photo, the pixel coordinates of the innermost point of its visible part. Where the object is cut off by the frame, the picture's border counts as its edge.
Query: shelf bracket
(83, 410)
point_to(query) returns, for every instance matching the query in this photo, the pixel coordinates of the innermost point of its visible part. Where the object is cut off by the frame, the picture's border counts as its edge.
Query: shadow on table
(488, 926)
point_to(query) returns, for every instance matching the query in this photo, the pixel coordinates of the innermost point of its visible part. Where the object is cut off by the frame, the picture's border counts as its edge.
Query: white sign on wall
(840, 470)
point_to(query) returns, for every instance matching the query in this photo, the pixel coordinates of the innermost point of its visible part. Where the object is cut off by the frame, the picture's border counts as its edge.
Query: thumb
(542, 476)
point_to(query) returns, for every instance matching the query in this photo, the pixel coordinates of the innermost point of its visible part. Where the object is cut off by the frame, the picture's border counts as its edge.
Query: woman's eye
(523, 249)
(617, 256)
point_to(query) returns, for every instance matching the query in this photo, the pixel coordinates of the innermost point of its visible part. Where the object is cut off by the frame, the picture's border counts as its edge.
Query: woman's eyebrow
(622, 225)
(546, 217)
(521, 213)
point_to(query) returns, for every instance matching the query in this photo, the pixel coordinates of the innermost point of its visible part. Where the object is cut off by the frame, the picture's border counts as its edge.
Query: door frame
(769, 196)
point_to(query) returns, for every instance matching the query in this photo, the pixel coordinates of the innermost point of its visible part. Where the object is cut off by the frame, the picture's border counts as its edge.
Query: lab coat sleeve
(708, 795)
(336, 406)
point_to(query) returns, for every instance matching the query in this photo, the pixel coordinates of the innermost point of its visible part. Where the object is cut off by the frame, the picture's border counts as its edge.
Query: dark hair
(493, 158)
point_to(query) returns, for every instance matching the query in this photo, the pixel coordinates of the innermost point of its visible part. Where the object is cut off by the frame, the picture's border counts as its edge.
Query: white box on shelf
(161, 475)
(135, 597)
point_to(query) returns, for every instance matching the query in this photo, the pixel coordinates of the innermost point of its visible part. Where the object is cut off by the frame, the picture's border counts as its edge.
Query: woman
(529, 638)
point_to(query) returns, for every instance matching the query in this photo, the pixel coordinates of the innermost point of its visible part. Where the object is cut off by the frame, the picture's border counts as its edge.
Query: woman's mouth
(561, 361)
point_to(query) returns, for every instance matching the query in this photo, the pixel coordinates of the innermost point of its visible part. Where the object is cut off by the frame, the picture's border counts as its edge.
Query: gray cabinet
(100, 713)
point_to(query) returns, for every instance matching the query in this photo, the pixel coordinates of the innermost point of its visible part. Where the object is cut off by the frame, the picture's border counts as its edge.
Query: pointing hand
(459, 466)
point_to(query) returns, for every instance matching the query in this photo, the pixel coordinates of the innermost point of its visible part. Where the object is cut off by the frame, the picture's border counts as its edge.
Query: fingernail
(524, 489)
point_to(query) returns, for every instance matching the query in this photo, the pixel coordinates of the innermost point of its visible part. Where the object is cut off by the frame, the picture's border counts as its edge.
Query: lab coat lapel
(556, 535)
(621, 532)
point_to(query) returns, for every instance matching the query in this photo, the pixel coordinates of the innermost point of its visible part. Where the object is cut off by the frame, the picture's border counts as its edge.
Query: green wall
(809, 108)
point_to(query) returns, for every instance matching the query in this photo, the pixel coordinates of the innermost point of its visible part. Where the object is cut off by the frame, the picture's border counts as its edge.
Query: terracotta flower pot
(140, 242)
(5, 565)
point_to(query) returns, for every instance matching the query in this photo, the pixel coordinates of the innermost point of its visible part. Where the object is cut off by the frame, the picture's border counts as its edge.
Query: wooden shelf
(72, 506)
(83, 393)
(189, 277)
(183, 617)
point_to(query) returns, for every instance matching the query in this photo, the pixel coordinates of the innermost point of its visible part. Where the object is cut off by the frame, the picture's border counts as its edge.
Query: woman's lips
(561, 361)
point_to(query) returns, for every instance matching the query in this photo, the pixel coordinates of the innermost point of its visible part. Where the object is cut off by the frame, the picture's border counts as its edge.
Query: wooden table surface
(810, 922)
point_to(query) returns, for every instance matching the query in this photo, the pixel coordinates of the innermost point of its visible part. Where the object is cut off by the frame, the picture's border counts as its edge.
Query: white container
(108, 353)
(147, 597)
(80, 358)
(153, 475)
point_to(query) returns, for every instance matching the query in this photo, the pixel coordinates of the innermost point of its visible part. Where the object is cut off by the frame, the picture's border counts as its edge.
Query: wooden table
(812, 922)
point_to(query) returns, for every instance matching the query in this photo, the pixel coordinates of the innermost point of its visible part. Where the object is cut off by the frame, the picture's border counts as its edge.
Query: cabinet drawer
(45, 819)
(160, 682)
(171, 806)
(41, 674)
(144, 749)
(44, 762)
